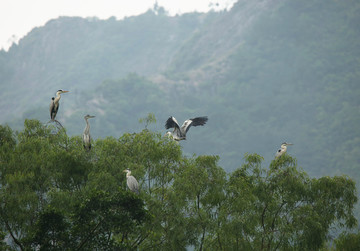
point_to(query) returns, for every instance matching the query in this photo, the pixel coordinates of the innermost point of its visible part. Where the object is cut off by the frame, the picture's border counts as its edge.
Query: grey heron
(282, 149)
(131, 182)
(179, 133)
(54, 105)
(86, 134)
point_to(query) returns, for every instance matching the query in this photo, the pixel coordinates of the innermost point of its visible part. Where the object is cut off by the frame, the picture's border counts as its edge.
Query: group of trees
(283, 71)
(54, 195)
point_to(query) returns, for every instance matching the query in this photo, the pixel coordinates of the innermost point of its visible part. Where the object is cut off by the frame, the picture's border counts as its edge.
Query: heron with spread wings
(179, 133)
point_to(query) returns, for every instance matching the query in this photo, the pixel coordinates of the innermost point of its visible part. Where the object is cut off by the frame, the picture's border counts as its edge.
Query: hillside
(78, 54)
(264, 72)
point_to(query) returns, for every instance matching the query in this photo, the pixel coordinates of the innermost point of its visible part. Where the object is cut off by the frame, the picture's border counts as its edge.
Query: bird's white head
(286, 144)
(60, 92)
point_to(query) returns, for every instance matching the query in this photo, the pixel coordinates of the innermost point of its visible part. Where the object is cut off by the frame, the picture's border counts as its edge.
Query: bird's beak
(64, 91)
(124, 171)
(92, 116)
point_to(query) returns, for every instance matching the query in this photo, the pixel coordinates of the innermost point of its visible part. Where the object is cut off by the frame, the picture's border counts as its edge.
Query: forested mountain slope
(293, 76)
(76, 54)
(264, 72)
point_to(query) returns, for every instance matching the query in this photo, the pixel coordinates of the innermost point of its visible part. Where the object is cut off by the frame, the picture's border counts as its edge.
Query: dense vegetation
(57, 196)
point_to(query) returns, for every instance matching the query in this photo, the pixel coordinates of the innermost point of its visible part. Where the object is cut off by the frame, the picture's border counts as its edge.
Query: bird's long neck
(57, 98)
(128, 174)
(87, 128)
(283, 148)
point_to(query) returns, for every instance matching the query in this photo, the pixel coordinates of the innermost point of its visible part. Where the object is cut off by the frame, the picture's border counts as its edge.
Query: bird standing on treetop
(131, 182)
(54, 105)
(179, 133)
(282, 149)
(86, 134)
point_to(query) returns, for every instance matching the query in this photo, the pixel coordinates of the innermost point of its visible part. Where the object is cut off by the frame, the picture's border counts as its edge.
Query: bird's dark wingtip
(170, 123)
(200, 121)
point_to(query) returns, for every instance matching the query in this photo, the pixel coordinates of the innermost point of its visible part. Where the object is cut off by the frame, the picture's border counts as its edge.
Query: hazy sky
(18, 17)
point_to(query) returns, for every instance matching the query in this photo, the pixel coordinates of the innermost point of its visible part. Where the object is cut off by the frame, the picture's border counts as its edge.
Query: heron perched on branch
(86, 134)
(54, 105)
(131, 182)
(179, 133)
(282, 149)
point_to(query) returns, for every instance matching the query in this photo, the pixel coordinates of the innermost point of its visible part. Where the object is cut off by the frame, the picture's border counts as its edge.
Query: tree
(281, 208)
(200, 183)
(48, 198)
(348, 241)
(54, 195)
(6, 136)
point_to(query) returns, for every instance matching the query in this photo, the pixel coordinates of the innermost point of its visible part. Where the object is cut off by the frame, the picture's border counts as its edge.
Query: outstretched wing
(172, 123)
(199, 121)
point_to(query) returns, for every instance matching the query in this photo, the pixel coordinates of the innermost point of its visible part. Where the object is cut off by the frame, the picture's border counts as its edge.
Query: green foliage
(6, 136)
(348, 242)
(47, 198)
(56, 196)
(279, 208)
(3, 245)
(148, 120)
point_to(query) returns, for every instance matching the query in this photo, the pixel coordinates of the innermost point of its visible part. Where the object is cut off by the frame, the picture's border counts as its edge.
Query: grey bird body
(179, 133)
(86, 134)
(52, 109)
(54, 104)
(131, 182)
(282, 150)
